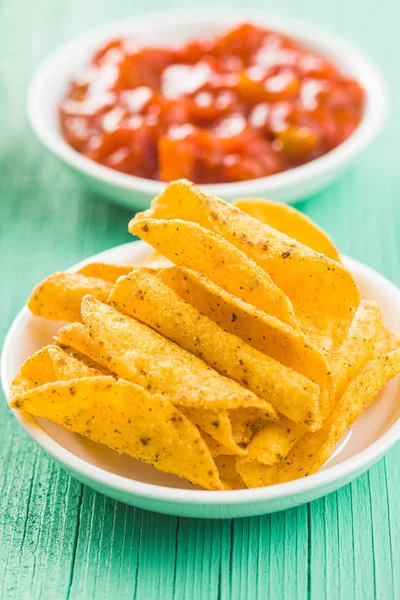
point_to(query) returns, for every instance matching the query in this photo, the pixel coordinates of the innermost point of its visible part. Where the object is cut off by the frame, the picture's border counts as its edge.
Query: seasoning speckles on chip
(172, 446)
(291, 222)
(218, 260)
(288, 390)
(321, 291)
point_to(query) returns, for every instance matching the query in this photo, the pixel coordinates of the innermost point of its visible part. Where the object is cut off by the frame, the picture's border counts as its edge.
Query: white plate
(50, 84)
(141, 485)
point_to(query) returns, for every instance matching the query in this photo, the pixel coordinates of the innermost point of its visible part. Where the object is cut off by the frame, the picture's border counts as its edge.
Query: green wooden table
(59, 539)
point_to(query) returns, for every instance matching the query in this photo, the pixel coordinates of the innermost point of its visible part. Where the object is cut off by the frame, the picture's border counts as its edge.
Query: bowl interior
(29, 333)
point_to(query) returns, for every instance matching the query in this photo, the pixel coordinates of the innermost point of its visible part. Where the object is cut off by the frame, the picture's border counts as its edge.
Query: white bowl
(50, 84)
(135, 483)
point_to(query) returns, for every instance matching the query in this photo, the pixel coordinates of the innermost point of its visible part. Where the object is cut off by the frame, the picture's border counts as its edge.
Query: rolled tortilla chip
(146, 297)
(48, 364)
(137, 353)
(228, 473)
(59, 296)
(84, 358)
(323, 293)
(175, 202)
(76, 336)
(245, 422)
(126, 418)
(52, 364)
(261, 331)
(312, 450)
(216, 449)
(386, 342)
(190, 245)
(359, 345)
(274, 442)
(216, 423)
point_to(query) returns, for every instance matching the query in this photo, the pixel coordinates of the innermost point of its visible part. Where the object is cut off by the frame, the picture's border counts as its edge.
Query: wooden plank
(197, 560)
(107, 549)
(157, 558)
(383, 561)
(245, 550)
(392, 552)
(345, 537)
(274, 549)
(61, 540)
(28, 507)
(289, 562)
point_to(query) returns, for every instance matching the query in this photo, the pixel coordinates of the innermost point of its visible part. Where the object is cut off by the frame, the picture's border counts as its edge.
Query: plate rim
(336, 473)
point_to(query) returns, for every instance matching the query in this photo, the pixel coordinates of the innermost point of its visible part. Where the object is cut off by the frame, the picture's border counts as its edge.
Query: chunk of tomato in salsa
(129, 150)
(244, 104)
(211, 155)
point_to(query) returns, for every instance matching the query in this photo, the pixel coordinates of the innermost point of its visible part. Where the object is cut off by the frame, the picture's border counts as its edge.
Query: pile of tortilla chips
(236, 357)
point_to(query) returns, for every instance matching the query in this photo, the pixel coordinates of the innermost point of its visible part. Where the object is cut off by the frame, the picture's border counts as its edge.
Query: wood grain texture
(59, 539)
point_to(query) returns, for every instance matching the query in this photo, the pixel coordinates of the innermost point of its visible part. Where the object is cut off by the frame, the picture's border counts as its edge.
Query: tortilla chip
(76, 335)
(274, 442)
(312, 450)
(173, 203)
(229, 476)
(386, 342)
(323, 293)
(47, 364)
(216, 424)
(359, 346)
(126, 418)
(105, 271)
(261, 331)
(59, 296)
(245, 422)
(290, 221)
(83, 358)
(364, 389)
(137, 353)
(146, 297)
(189, 245)
(241, 430)
(216, 449)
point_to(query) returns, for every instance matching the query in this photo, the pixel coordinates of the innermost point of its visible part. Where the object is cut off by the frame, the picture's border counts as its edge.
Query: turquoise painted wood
(59, 539)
